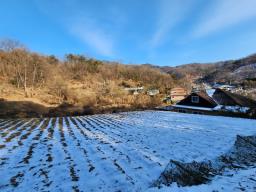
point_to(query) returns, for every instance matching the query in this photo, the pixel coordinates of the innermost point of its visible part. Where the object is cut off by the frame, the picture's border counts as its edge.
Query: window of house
(195, 99)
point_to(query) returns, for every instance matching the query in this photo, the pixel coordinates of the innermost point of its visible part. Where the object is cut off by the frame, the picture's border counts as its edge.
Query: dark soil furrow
(6, 129)
(18, 178)
(70, 131)
(73, 174)
(4, 122)
(111, 148)
(94, 129)
(103, 125)
(125, 135)
(123, 129)
(91, 167)
(19, 130)
(50, 137)
(36, 140)
(29, 132)
(103, 130)
(11, 148)
(115, 122)
(47, 158)
(115, 138)
(17, 126)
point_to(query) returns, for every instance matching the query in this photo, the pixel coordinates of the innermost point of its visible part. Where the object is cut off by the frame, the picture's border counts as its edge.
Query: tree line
(29, 71)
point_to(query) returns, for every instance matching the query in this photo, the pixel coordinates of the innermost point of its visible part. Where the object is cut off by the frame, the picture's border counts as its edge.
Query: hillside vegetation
(241, 71)
(77, 80)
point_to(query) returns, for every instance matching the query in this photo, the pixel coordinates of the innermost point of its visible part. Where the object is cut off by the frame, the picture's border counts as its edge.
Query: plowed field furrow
(10, 126)
(112, 152)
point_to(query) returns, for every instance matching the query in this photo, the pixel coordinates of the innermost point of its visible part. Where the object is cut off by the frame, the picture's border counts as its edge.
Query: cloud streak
(76, 18)
(93, 36)
(171, 12)
(224, 14)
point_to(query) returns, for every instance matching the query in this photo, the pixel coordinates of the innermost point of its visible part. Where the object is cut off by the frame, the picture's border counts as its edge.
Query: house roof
(178, 94)
(204, 95)
(205, 101)
(178, 91)
(178, 88)
(223, 97)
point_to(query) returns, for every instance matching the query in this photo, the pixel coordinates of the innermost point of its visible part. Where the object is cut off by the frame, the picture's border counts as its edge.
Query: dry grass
(78, 81)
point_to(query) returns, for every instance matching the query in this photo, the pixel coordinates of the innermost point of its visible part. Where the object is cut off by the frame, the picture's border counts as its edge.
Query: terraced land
(115, 152)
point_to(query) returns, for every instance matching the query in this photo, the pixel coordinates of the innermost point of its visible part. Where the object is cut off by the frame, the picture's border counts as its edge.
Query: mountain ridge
(236, 71)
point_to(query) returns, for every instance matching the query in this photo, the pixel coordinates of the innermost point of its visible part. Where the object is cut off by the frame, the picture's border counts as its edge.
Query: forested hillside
(241, 71)
(77, 80)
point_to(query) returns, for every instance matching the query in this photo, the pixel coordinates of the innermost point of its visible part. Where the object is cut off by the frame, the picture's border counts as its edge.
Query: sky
(159, 32)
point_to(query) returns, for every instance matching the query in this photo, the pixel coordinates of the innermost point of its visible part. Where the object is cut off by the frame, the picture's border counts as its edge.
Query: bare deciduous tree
(10, 44)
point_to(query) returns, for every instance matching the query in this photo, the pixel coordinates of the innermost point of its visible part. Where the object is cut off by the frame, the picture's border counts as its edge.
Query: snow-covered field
(117, 152)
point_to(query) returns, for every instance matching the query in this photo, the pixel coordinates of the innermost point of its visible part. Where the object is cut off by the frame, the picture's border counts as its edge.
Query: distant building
(220, 100)
(153, 92)
(167, 100)
(196, 102)
(224, 86)
(233, 102)
(177, 94)
(134, 90)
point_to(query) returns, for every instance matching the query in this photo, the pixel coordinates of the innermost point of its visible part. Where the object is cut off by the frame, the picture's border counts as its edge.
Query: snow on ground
(115, 152)
(232, 181)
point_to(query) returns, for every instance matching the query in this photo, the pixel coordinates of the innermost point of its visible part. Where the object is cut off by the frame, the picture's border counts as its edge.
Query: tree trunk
(25, 80)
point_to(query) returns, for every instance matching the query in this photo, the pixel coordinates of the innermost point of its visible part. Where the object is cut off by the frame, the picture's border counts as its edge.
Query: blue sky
(161, 32)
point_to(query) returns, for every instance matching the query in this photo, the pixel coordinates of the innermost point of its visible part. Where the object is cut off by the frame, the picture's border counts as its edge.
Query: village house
(197, 102)
(220, 100)
(153, 92)
(177, 94)
(167, 100)
(224, 86)
(134, 90)
(232, 102)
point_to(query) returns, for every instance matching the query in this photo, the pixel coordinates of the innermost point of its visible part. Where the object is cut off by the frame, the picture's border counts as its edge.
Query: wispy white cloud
(76, 18)
(93, 36)
(223, 14)
(171, 12)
